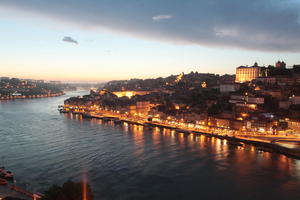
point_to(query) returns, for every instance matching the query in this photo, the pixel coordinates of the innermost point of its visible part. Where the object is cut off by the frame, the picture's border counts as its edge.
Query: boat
(6, 174)
(63, 111)
(87, 115)
(118, 121)
(3, 181)
(178, 130)
(9, 175)
(235, 143)
(106, 119)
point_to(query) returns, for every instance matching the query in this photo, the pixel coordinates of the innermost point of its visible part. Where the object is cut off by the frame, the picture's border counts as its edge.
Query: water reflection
(243, 157)
(135, 162)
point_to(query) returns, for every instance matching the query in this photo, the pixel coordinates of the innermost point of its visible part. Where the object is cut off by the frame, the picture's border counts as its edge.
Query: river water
(43, 147)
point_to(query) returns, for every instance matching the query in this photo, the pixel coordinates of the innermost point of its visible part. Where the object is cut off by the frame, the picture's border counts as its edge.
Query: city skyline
(149, 99)
(125, 39)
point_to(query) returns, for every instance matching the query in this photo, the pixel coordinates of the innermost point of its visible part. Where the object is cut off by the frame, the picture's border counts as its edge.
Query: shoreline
(264, 146)
(9, 98)
(238, 141)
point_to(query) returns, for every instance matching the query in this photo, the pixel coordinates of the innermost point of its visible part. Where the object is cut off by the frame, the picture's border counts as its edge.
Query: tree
(69, 191)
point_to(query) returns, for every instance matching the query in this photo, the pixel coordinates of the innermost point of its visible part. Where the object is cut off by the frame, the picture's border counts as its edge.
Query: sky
(101, 40)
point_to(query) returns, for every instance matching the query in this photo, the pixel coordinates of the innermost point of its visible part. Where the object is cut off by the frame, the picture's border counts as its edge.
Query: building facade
(246, 74)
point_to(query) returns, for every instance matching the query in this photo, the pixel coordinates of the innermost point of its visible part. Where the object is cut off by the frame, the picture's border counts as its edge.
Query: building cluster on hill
(264, 100)
(13, 88)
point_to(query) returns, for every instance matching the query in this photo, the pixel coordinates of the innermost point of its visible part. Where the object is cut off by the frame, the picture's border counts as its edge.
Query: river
(43, 147)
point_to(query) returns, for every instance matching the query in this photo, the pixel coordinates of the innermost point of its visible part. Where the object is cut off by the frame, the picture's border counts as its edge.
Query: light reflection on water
(126, 161)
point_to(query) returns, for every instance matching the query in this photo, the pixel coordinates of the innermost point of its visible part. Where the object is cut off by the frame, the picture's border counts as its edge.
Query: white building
(224, 88)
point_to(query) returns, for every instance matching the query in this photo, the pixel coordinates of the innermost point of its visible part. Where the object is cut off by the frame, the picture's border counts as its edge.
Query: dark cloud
(69, 39)
(266, 25)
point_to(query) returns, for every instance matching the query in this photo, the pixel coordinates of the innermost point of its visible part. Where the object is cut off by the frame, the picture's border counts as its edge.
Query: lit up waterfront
(128, 161)
(283, 142)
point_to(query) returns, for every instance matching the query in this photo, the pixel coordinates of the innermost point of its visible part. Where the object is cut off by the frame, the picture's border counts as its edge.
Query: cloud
(161, 17)
(264, 25)
(69, 39)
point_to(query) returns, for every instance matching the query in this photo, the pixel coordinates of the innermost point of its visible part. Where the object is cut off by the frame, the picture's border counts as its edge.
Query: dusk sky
(99, 40)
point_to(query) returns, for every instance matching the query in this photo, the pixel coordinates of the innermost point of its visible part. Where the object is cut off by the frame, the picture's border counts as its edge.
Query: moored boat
(6, 174)
(3, 181)
(178, 130)
(235, 143)
(87, 115)
(117, 121)
(63, 111)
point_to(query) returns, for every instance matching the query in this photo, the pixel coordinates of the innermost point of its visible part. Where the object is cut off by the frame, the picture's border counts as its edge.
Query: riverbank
(241, 141)
(262, 145)
(14, 97)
